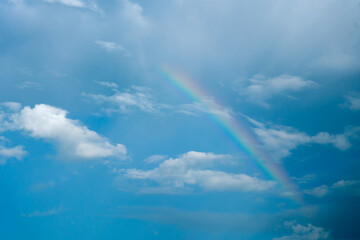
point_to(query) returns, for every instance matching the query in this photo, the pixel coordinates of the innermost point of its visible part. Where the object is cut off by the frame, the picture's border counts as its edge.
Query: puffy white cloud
(262, 88)
(50, 123)
(301, 232)
(194, 169)
(280, 140)
(74, 139)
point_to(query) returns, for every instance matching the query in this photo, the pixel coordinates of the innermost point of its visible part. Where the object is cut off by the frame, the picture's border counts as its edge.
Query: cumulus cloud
(350, 186)
(280, 140)
(353, 101)
(72, 138)
(112, 47)
(195, 169)
(130, 99)
(301, 232)
(261, 88)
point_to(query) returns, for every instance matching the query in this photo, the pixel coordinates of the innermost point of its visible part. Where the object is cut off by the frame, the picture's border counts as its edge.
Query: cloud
(280, 140)
(17, 152)
(318, 191)
(134, 13)
(70, 136)
(71, 3)
(350, 186)
(213, 222)
(108, 84)
(77, 4)
(305, 179)
(353, 101)
(42, 186)
(51, 212)
(206, 106)
(194, 169)
(262, 88)
(134, 98)
(112, 47)
(301, 232)
(155, 158)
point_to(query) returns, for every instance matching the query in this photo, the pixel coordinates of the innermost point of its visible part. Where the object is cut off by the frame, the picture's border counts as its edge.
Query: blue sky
(96, 142)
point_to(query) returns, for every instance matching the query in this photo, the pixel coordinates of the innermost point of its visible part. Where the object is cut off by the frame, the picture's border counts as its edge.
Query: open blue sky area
(180, 119)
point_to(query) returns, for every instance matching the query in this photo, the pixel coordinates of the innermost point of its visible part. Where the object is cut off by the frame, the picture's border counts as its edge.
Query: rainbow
(238, 133)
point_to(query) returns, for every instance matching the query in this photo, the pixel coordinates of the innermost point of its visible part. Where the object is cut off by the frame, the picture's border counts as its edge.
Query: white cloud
(155, 158)
(280, 140)
(17, 152)
(318, 191)
(50, 123)
(77, 4)
(194, 169)
(353, 101)
(206, 106)
(51, 212)
(108, 84)
(134, 12)
(262, 89)
(112, 47)
(135, 98)
(71, 3)
(323, 190)
(300, 232)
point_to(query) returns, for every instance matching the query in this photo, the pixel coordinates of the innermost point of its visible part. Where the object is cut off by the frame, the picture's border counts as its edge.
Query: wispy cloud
(301, 232)
(134, 13)
(139, 98)
(195, 169)
(261, 89)
(51, 212)
(352, 101)
(205, 106)
(17, 152)
(77, 4)
(350, 186)
(108, 84)
(42, 186)
(113, 47)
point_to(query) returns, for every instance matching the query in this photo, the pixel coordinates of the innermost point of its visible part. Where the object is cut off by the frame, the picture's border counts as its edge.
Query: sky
(179, 119)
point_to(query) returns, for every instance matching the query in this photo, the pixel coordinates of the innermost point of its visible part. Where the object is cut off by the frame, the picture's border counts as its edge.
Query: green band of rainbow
(238, 133)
